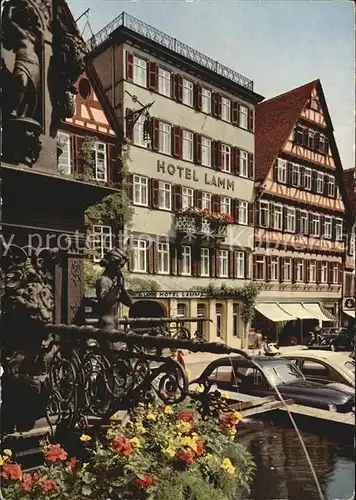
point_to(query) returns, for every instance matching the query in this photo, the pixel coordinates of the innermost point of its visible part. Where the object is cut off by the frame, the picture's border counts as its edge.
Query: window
(324, 272)
(139, 132)
(310, 139)
(281, 171)
(186, 261)
(331, 186)
(338, 229)
(299, 270)
(312, 271)
(99, 156)
(187, 138)
(320, 183)
(187, 92)
(63, 142)
(165, 195)
(206, 201)
(327, 232)
(140, 190)
(200, 314)
(225, 205)
(264, 213)
(352, 244)
(295, 175)
(219, 310)
(140, 256)
(278, 217)
(274, 269)
(225, 109)
(187, 197)
(235, 320)
(290, 220)
(307, 178)
(204, 262)
(260, 267)
(240, 265)
(206, 151)
(315, 225)
(321, 143)
(181, 310)
(206, 100)
(243, 163)
(139, 71)
(164, 141)
(164, 82)
(225, 158)
(243, 212)
(287, 269)
(224, 263)
(243, 117)
(303, 222)
(102, 241)
(314, 104)
(335, 274)
(299, 134)
(163, 258)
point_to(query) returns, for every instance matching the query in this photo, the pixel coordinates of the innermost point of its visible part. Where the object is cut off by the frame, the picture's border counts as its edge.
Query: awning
(350, 313)
(296, 310)
(272, 311)
(317, 312)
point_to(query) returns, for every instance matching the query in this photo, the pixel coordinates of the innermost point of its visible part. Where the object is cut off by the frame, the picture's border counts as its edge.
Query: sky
(278, 44)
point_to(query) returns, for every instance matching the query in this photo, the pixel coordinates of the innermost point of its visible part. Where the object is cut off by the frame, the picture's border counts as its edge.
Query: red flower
(200, 447)
(55, 452)
(12, 471)
(145, 482)
(186, 456)
(27, 482)
(72, 463)
(50, 485)
(185, 416)
(122, 446)
(228, 420)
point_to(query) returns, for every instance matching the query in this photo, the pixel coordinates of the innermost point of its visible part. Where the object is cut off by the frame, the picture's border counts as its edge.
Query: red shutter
(179, 88)
(179, 260)
(198, 96)
(173, 85)
(251, 113)
(154, 193)
(251, 213)
(155, 257)
(177, 141)
(238, 114)
(217, 263)
(231, 264)
(340, 274)
(130, 187)
(177, 197)
(247, 265)
(294, 270)
(198, 198)
(269, 268)
(235, 209)
(214, 154)
(150, 258)
(281, 269)
(235, 113)
(112, 164)
(234, 263)
(197, 148)
(216, 203)
(129, 66)
(251, 170)
(212, 263)
(152, 75)
(219, 105)
(236, 160)
(330, 273)
(218, 155)
(173, 259)
(129, 124)
(216, 98)
(155, 134)
(318, 271)
(306, 270)
(79, 163)
(254, 267)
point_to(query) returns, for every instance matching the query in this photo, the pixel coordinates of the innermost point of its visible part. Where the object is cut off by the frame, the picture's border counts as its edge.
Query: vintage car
(324, 367)
(333, 339)
(260, 375)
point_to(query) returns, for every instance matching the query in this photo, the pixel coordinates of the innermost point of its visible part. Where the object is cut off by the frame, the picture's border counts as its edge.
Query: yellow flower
(227, 466)
(189, 441)
(140, 428)
(151, 416)
(199, 388)
(2, 461)
(238, 415)
(85, 438)
(232, 431)
(169, 451)
(208, 457)
(8, 452)
(136, 442)
(168, 410)
(184, 427)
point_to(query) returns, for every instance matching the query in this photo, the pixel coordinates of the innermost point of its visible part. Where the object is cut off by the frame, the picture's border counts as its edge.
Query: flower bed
(206, 214)
(160, 454)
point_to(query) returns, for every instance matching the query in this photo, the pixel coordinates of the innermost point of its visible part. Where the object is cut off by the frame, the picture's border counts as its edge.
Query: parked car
(259, 375)
(333, 339)
(324, 367)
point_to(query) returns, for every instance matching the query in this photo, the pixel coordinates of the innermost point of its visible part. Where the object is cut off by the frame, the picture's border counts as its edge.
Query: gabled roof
(349, 180)
(275, 119)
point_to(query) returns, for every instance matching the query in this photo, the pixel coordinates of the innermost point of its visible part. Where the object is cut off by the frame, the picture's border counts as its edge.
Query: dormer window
(314, 104)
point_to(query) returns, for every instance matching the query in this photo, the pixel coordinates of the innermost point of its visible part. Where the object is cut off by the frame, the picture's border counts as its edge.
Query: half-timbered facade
(299, 220)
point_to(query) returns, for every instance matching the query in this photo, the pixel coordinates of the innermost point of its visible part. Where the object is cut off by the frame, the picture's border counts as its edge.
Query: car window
(221, 374)
(254, 377)
(314, 368)
(350, 367)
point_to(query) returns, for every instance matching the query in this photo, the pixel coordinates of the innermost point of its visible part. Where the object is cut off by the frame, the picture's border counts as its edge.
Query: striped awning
(350, 313)
(297, 310)
(318, 312)
(272, 311)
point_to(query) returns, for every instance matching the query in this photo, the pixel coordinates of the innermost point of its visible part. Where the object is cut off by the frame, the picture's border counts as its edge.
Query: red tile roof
(350, 186)
(275, 119)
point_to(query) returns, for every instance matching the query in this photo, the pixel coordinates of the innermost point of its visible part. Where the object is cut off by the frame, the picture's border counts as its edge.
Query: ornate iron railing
(170, 43)
(191, 227)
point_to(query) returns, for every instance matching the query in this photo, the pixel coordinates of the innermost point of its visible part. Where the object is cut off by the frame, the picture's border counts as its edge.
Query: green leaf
(86, 490)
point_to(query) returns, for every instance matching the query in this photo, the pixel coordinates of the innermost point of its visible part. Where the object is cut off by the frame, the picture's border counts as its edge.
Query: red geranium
(12, 471)
(186, 456)
(145, 482)
(27, 482)
(228, 420)
(72, 463)
(55, 452)
(122, 446)
(200, 447)
(185, 416)
(50, 485)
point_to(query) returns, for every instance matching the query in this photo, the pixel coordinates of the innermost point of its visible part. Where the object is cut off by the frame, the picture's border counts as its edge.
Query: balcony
(191, 227)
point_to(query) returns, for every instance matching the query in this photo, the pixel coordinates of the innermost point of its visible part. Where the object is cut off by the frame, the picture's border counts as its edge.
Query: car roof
(243, 362)
(318, 354)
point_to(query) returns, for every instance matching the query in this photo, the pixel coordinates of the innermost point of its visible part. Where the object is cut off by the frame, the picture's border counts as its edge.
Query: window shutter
(214, 154)
(314, 181)
(297, 221)
(326, 149)
(129, 66)
(173, 85)
(231, 264)
(271, 216)
(305, 137)
(289, 173)
(235, 113)
(179, 260)
(330, 273)
(269, 268)
(216, 98)
(318, 271)
(218, 155)
(155, 133)
(236, 161)
(322, 228)
(212, 262)
(316, 140)
(302, 175)
(275, 171)
(251, 174)
(129, 124)
(150, 259)
(155, 257)
(79, 163)
(281, 269)
(251, 213)
(247, 265)
(197, 148)
(294, 270)
(326, 185)
(234, 263)
(216, 203)
(154, 185)
(340, 274)
(198, 198)
(251, 113)
(179, 88)
(254, 267)
(217, 263)
(130, 187)
(235, 209)
(152, 75)
(306, 270)
(177, 197)
(111, 163)
(333, 229)
(173, 259)
(195, 261)
(198, 96)
(177, 140)
(219, 105)
(284, 218)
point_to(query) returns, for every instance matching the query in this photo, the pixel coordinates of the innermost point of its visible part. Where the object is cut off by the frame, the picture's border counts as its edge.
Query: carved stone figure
(110, 289)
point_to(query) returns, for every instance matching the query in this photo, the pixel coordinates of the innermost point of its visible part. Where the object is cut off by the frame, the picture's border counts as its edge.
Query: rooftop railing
(170, 43)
